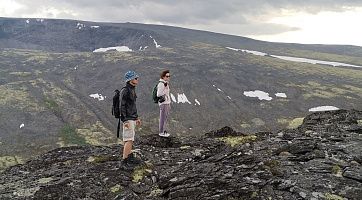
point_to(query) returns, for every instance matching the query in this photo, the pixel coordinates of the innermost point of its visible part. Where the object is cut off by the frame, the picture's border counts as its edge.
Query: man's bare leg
(127, 148)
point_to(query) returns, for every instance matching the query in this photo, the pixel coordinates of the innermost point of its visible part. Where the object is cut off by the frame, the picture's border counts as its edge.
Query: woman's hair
(163, 73)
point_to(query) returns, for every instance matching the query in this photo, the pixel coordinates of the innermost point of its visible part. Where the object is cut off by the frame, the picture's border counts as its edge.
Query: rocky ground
(322, 159)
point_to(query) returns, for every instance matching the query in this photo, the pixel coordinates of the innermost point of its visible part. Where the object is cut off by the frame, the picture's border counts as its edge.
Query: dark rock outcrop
(303, 163)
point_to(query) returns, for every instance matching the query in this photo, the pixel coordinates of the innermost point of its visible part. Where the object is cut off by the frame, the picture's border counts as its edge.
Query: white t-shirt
(164, 91)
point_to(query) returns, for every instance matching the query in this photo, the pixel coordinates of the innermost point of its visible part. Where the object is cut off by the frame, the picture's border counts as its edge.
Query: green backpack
(155, 98)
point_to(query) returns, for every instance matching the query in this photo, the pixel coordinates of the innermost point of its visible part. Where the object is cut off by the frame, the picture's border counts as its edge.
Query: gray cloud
(241, 17)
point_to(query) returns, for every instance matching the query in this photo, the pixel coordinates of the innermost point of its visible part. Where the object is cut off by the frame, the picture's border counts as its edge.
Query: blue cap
(130, 75)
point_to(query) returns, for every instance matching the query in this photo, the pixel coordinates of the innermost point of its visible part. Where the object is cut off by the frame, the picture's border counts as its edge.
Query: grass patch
(237, 140)
(321, 56)
(155, 193)
(69, 136)
(8, 161)
(329, 196)
(291, 123)
(45, 180)
(39, 58)
(21, 74)
(359, 122)
(114, 57)
(283, 121)
(117, 189)
(17, 96)
(97, 134)
(295, 123)
(305, 68)
(274, 166)
(245, 125)
(211, 50)
(100, 159)
(258, 122)
(315, 89)
(52, 105)
(336, 170)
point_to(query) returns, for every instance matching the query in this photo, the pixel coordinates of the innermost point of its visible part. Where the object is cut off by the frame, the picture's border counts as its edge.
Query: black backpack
(116, 111)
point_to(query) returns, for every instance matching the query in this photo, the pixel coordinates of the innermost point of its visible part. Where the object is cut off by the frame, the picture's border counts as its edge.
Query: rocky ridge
(321, 159)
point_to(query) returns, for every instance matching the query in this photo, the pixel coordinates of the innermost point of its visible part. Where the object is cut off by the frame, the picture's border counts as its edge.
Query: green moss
(21, 74)
(329, 196)
(17, 95)
(121, 56)
(314, 89)
(272, 163)
(96, 134)
(245, 125)
(336, 170)
(69, 136)
(273, 166)
(52, 105)
(209, 49)
(258, 122)
(185, 147)
(45, 180)
(8, 161)
(304, 68)
(139, 172)
(155, 193)
(40, 58)
(359, 122)
(100, 159)
(295, 123)
(237, 140)
(321, 56)
(68, 162)
(254, 195)
(117, 189)
(283, 121)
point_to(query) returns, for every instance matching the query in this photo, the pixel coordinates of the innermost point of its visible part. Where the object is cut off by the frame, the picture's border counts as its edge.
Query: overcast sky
(306, 21)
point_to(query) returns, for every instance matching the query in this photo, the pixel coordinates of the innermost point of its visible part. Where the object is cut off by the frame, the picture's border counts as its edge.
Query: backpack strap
(118, 127)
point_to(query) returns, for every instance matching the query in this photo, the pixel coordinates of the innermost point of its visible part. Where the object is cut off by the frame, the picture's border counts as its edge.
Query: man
(129, 115)
(163, 92)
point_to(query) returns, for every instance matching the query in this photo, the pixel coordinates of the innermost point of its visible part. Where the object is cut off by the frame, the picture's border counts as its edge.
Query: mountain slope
(48, 72)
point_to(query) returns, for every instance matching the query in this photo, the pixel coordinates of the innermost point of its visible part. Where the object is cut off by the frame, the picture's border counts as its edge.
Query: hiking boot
(133, 159)
(126, 164)
(164, 134)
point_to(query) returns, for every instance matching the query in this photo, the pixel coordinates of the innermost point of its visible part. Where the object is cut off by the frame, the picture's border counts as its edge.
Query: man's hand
(126, 125)
(138, 122)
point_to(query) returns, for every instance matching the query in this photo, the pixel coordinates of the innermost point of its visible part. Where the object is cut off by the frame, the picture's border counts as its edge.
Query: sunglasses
(168, 76)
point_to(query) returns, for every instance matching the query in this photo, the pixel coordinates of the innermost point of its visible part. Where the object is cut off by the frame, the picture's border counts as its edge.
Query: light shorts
(128, 134)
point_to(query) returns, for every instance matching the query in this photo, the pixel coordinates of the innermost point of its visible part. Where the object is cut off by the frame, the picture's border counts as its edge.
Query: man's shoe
(126, 164)
(133, 159)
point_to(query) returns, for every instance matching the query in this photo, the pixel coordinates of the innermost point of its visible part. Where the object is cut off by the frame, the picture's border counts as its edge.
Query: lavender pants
(164, 113)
